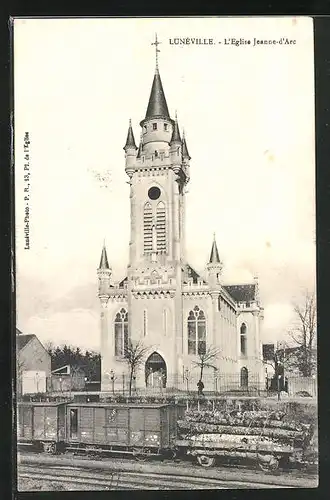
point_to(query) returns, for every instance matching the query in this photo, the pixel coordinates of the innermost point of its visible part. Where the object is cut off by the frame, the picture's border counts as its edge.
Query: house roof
(22, 340)
(242, 293)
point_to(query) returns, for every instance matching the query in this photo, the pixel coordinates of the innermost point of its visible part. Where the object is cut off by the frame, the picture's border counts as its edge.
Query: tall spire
(157, 106)
(104, 264)
(185, 152)
(156, 43)
(214, 257)
(130, 141)
(176, 138)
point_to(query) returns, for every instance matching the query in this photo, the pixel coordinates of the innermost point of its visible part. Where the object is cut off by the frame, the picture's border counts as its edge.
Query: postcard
(165, 253)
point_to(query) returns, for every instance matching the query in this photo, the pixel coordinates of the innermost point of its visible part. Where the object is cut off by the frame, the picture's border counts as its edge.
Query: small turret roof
(104, 264)
(157, 106)
(185, 152)
(214, 256)
(176, 138)
(130, 141)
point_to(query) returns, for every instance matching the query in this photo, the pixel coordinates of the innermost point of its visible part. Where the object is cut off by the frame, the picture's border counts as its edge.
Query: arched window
(161, 227)
(121, 332)
(244, 377)
(196, 331)
(147, 227)
(243, 339)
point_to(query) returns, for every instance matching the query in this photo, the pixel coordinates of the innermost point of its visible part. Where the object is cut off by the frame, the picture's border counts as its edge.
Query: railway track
(81, 478)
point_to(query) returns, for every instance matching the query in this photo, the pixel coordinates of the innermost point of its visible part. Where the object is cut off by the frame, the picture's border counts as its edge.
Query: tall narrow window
(121, 332)
(243, 339)
(161, 227)
(145, 323)
(147, 227)
(154, 126)
(165, 321)
(196, 331)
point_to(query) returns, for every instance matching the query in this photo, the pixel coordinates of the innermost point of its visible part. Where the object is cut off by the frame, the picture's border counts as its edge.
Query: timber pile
(248, 426)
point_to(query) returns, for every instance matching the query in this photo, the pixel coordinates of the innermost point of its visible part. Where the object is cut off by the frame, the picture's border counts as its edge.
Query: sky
(248, 116)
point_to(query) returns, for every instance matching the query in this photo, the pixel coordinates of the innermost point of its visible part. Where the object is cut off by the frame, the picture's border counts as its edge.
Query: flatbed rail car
(267, 456)
(42, 424)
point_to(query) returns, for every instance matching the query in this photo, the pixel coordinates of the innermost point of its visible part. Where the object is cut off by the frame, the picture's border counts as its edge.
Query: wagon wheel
(140, 454)
(205, 460)
(268, 465)
(50, 448)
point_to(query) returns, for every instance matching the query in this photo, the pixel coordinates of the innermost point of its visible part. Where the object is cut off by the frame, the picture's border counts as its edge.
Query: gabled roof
(190, 273)
(63, 370)
(242, 293)
(122, 283)
(22, 340)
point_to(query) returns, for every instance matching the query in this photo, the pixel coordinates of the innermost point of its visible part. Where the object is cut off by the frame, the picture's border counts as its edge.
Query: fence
(221, 384)
(187, 384)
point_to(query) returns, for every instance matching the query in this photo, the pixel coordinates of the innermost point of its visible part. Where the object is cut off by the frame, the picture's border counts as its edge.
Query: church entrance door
(155, 371)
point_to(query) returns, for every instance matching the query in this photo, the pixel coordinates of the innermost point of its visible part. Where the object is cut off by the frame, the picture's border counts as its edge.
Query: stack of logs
(248, 426)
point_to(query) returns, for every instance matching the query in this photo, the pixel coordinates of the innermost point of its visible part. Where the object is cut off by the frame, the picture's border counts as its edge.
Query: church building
(162, 302)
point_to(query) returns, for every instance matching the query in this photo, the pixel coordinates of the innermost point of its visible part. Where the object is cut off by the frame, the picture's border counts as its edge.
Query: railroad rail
(124, 480)
(127, 474)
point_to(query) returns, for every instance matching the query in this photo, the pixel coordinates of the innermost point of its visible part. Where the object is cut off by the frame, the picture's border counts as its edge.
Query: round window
(154, 193)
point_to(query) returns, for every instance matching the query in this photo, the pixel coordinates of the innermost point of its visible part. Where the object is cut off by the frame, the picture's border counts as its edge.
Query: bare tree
(280, 357)
(303, 334)
(134, 356)
(206, 359)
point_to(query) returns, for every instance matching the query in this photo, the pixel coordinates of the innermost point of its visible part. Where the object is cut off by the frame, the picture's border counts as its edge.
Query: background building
(33, 364)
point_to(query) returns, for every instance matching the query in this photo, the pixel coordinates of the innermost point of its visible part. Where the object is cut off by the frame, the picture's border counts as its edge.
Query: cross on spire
(156, 43)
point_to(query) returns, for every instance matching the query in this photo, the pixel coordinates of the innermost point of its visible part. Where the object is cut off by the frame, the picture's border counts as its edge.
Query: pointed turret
(214, 265)
(176, 138)
(214, 256)
(104, 272)
(130, 141)
(185, 153)
(157, 106)
(104, 264)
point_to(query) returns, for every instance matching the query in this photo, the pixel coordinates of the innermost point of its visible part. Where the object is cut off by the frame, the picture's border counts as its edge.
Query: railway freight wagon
(141, 429)
(42, 424)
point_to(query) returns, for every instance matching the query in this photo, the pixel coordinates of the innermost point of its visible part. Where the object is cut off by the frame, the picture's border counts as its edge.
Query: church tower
(163, 303)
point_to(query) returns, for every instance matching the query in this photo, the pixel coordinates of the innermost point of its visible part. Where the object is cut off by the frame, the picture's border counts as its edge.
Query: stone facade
(162, 298)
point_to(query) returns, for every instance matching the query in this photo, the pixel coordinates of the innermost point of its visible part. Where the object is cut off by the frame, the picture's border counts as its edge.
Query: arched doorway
(155, 371)
(244, 377)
